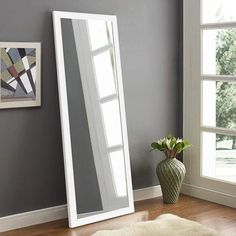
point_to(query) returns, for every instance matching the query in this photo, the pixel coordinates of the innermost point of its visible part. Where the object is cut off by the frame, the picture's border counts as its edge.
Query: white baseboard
(209, 195)
(60, 212)
(147, 193)
(32, 218)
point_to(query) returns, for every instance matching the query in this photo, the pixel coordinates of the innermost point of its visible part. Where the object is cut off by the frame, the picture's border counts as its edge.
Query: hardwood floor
(219, 217)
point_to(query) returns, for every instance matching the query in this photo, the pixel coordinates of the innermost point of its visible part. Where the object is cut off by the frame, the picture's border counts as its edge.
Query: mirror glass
(96, 118)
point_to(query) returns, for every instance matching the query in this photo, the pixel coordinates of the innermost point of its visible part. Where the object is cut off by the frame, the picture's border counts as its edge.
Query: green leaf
(155, 145)
(173, 143)
(168, 144)
(178, 147)
(186, 146)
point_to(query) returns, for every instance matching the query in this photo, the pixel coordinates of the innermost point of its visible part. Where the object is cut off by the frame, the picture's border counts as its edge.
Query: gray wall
(31, 161)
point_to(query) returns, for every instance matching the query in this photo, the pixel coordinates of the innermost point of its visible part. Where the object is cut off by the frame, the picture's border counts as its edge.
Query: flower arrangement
(170, 145)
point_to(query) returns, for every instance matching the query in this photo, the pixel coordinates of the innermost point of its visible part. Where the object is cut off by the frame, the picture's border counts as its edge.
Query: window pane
(112, 122)
(218, 11)
(100, 33)
(219, 52)
(219, 104)
(219, 156)
(105, 73)
(118, 171)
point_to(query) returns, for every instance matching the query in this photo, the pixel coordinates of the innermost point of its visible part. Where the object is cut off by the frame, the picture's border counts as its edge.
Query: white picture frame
(65, 123)
(20, 72)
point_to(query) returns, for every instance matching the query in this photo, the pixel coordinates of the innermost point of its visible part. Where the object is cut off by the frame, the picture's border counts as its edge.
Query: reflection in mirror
(99, 183)
(105, 73)
(112, 123)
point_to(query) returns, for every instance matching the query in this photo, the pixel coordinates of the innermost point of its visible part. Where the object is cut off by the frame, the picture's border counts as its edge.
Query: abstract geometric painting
(20, 74)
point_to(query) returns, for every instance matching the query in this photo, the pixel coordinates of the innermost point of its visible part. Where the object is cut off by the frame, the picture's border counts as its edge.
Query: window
(218, 89)
(210, 90)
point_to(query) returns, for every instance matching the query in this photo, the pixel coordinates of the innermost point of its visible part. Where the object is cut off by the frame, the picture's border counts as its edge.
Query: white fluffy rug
(164, 225)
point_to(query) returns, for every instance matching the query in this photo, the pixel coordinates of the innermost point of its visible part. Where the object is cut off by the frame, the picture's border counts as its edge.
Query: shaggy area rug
(164, 225)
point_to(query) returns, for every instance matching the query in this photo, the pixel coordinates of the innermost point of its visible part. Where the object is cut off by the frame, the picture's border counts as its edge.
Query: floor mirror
(94, 133)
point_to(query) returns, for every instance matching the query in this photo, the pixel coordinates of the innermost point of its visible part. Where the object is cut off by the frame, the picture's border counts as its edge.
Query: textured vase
(170, 173)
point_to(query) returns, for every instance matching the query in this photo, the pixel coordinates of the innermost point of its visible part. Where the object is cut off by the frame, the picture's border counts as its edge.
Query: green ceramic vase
(171, 173)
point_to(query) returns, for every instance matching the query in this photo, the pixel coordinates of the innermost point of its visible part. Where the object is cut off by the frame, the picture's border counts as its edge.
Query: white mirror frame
(65, 125)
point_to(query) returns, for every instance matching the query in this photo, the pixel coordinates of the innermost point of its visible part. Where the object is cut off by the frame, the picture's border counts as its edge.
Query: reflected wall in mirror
(95, 143)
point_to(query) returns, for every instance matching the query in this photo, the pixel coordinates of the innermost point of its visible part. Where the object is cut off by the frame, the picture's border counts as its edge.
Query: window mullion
(218, 130)
(222, 25)
(102, 49)
(108, 98)
(223, 78)
(115, 148)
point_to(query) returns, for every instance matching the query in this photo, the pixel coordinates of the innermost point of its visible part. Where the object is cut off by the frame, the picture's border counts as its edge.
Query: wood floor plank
(213, 215)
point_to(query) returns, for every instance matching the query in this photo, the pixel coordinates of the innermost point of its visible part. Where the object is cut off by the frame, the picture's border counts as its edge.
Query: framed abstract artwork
(20, 77)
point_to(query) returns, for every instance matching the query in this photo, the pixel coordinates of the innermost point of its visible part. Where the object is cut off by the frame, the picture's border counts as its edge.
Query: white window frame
(195, 183)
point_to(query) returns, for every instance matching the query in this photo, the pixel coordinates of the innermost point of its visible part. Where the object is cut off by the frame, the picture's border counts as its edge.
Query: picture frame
(20, 74)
